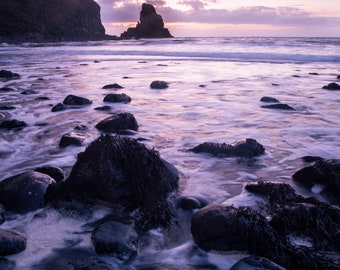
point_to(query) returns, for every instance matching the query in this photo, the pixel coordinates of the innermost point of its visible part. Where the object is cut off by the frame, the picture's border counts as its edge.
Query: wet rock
(151, 25)
(6, 74)
(12, 124)
(318, 223)
(6, 264)
(332, 86)
(279, 106)
(269, 99)
(113, 86)
(115, 239)
(116, 122)
(11, 242)
(256, 263)
(122, 98)
(59, 107)
(190, 202)
(6, 89)
(325, 173)
(122, 171)
(29, 92)
(72, 138)
(274, 192)
(76, 100)
(24, 192)
(81, 127)
(244, 148)
(226, 228)
(311, 158)
(159, 85)
(55, 172)
(7, 108)
(103, 108)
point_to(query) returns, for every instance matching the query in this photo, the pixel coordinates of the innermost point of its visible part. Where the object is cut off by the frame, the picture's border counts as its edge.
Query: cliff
(151, 25)
(50, 20)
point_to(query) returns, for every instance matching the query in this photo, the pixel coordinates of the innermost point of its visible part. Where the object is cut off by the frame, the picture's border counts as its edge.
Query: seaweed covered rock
(122, 171)
(11, 242)
(325, 173)
(244, 148)
(24, 192)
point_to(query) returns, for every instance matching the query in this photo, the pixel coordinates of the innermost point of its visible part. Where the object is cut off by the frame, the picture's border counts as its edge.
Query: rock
(159, 85)
(123, 98)
(274, 192)
(256, 263)
(13, 124)
(190, 202)
(320, 224)
(7, 108)
(311, 158)
(49, 21)
(122, 171)
(2, 217)
(11, 242)
(59, 107)
(6, 264)
(332, 86)
(280, 106)
(113, 86)
(245, 148)
(325, 173)
(55, 172)
(81, 127)
(151, 25)
(115, 239)
(29, 92)
(338, 77)
(103, 108)
(7, 89)
(24, 192)
(226, 228)
(72, 138)
(269, 99)
(6, 74)
(116, 122)
(75, 100)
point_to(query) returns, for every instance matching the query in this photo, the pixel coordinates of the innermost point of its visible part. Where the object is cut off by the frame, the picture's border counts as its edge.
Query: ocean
(215, 87)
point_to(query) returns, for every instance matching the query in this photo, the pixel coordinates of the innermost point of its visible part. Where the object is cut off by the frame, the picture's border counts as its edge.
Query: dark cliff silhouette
(151, 25)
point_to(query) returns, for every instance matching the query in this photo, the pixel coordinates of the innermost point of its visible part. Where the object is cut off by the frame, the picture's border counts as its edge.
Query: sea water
(215, 87)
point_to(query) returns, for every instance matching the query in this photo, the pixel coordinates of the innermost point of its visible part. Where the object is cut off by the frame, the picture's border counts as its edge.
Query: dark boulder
(117, 98)
(24, 192)
(244, 148)
(122, 171)
(117, 122)
(269, 99)
(279, 106)
(72, 138)
(11, 242)
(190, 202)
(55, 172)
(113, 86)
(53, 20)
(76, 100)
(115, 239)
(226, 228)
(59, 107)
(13, 124)
(151, 25)
(274, 192)
(159, 85)
(325, 173)
(7, 74)
(256, 263)
(311, 158)
(332, 86)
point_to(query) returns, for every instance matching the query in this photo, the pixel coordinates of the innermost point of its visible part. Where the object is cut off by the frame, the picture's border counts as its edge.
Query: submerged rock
(113, 86)
(244, 148)
(115, 239)
(151, 25)
(332, 86)
(76, 100)
(325, 173)
(13, 124)
(279, 106)
(123, 98)
(6, 264)
(6, 74)
(24, 192)
(117, 122)
(121, 171)
(11, 242)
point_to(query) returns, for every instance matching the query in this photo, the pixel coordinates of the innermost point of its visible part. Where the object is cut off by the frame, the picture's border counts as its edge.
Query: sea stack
(50, 21)
(151, 25)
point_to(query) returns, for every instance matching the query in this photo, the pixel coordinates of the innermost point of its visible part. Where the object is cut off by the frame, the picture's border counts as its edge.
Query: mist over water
(215, 87)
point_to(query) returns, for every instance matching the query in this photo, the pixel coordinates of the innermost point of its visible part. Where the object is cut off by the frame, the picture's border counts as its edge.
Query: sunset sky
(190, 18)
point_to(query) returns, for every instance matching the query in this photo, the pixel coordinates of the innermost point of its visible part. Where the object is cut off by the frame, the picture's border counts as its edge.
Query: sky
(198, 18)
